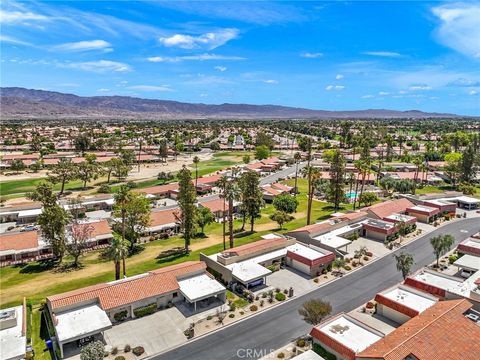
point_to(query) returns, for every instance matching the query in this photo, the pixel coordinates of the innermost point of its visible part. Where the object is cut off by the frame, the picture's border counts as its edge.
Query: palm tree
(404, 263)
(222, 184)
(232, 193)
(441, 244)
(196, 160)
(122, 199)
(297, 158)
(312, 174)
(117, 252)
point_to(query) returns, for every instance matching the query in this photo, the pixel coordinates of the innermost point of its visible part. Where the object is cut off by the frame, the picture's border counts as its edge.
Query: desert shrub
(138, 350)
(285, 291)
(209, 317)
(262, 302)
(369, 253)
(145, 310)
(366, 258)
(231, 316)
(369, 305)
(119, 357)
(242, 312)
(280, 296)
(104, 189)
(253, 308)
(120, 316)
(264, 295)
(452, 258)
(348, 268)
(115, 350)
(277, 290)
(301, 342)
(281, 355)
(232, 307)
(323, 353)
(127, 348)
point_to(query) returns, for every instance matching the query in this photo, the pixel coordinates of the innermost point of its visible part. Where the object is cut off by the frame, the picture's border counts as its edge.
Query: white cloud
(383, 93)
(12, 17)
(209, 41)
(150, 88)
(382, 53)
(310, 55)
(459, 27)
(335, 87)
(472, 92)
(462, 82)
(103, 90)
(339, 77)
(420, 87)
(99, 66)
(270, 81)
(87, 45)
(367, 96)
(201, 57)
(12, 40)
(220, 68)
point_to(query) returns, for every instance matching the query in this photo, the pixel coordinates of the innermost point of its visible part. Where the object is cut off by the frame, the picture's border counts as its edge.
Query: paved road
(274, 328)
(282, 174)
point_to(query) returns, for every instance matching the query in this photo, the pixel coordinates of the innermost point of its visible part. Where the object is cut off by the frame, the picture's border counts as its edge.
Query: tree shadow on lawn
(38, 267)
(171, 255)
(244, 234)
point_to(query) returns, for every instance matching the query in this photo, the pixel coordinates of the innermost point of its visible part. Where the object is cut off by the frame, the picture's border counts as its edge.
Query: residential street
(276, 327)
(282, 174)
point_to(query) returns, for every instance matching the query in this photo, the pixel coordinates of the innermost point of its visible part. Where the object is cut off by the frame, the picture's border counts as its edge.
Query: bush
(277, 290)
(145, 310)
(115, 351)
(127, 348)
(262, 302)
(120, 316)
(120, 357)
(104, 189)
(315, 280)
(285, 291)
(139, 350)
(272, 267)
(231, 316)
(281, 355)
(452, 258)
(253, 308)
(242, 312)
(280, 296)
(369, 253)
(348, 268)
(366, 258)
(301, 343)
(232, 307)
(264, 295)
(132, 185)
(209, 317)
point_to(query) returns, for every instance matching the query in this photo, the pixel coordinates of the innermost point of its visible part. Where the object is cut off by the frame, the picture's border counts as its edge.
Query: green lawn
(220, 161)
(21, 187)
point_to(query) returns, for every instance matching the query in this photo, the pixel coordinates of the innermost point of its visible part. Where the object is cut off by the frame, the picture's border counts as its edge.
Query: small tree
(196, 160)
(63, 172)
(441, 245)
(368, 198)
(17, 165)
(404, 263)
(286, 203)
(262, 152)
(361, 252)
(281, 217)
(246, 159)
(117, 252)
(338, 263)
(93, 351)
(314, 311)
(187, 196)
(204, 217)
(221, 314)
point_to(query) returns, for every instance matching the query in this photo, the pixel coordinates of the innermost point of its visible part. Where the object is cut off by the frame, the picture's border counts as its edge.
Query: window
(175, 294)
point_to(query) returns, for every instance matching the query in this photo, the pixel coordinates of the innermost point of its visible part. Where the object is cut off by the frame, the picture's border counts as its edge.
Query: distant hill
(21, 103)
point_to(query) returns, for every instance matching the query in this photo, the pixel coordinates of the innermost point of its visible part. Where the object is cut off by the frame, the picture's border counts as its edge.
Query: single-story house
(13, 332)
(445, 206)
(378, 229)
(92, 310)
(470, 246)
(424, 214)
(100, 232)
(217, 207)
(344, 336)
(387, 208)
(19, 247)
(401, 303)
(163, 221)
(159, 191)
(440, 332)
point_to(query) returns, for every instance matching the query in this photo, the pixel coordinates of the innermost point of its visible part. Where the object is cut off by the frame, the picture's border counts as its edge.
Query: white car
(466, 273)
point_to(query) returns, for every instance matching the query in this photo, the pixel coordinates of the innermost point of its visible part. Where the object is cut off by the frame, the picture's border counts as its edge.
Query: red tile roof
(388, 208)
(441, 332)
(162, 217)
(127, 291)
(257, 246)
(19, 241)
(98, 228)
(159, 189)
(215, 205)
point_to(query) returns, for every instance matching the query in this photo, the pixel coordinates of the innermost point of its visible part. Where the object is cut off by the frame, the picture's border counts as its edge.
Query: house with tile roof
(440, 332)
(91, 310)
(20, 247)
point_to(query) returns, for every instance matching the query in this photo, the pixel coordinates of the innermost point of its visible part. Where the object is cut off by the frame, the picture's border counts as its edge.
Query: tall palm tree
(297, 157)
(313, 175)
(232, 193)
(417, 161)
(359, 165)
(122, 199)
(117, 252)
(196, 160)
(222, 184)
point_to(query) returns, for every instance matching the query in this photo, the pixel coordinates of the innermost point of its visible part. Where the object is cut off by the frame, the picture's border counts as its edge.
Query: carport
(249, 273)
(80, 323)
(200, 287)
(468, 262)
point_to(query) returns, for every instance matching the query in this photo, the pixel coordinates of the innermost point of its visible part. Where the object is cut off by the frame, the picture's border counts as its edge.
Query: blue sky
(321, 55)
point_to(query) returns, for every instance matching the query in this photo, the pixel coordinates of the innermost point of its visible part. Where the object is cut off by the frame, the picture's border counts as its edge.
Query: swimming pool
(351, 195)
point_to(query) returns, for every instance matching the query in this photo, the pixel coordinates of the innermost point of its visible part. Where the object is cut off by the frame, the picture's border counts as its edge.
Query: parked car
(466, 273)
(85, 341)
(29, 228)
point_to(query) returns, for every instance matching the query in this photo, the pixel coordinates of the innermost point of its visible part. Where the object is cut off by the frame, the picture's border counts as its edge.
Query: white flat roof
(309, 355)
(350, 333)
(423, 208)
(98, 214)
(468, 262)
(162, 227)
(200, 287)
(465, 199)
(78, 323)
(332, 240)
(400, 217)
(271, 236)
(247, 271)
(12, 343)
(441, 281)
(307, 252)
(475, 243)
(31, 212)
(410, 298)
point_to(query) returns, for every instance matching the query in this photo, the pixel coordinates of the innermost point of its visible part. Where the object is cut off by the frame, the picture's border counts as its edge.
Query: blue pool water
(351, 195)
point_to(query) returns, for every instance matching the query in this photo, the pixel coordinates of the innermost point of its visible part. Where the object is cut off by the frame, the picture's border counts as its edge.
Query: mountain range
(28, 104)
